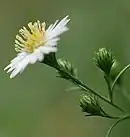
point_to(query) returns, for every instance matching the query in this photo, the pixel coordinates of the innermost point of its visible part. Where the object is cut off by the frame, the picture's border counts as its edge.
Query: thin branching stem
(109, 88)
(118, 76)
(118, 121)
(84, 87)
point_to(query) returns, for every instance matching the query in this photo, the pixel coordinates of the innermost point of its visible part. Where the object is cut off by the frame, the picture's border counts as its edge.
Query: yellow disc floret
(29, 40)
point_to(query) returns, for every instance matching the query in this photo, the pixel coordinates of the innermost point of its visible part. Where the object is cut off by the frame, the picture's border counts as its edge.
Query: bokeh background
(36, 103)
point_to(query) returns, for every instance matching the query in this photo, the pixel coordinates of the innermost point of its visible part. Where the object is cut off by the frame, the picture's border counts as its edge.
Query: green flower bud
(67, 69)
(90, 105)
(104, 59)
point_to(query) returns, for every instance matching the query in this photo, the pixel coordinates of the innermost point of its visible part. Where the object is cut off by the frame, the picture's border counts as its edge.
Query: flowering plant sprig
(38, 44)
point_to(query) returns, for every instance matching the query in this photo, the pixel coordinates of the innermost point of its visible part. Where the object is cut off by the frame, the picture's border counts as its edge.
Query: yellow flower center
(29, 40)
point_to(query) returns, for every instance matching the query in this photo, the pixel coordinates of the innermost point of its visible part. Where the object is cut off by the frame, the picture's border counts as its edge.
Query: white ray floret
(35, 42)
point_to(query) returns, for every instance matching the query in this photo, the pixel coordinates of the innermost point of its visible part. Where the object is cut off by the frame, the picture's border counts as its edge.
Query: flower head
(34, 42)
(104, 59)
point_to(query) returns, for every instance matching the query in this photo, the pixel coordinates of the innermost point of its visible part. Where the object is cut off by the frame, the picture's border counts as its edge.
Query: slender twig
(109, 117)
(106, 115)
(118, 121)
(109, 88)
(119, 75)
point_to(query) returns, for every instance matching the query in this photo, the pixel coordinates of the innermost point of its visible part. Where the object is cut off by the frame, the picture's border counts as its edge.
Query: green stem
(109, 88)
(86, 88)
(118, 121)
(108, 116)
(118, 76)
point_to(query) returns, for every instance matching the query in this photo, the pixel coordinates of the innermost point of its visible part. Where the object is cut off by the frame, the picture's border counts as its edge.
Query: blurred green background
(36, 103)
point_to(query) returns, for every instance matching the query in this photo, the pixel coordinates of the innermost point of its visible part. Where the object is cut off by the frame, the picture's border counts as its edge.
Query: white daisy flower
(33, 43)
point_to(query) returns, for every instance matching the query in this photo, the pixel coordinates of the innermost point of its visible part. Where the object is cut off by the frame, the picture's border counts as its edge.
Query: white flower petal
(32, 58)
(14, 61)
(47, 49)
(51, 27)
(19, 68)
(7, 67)
(19, 57)
(52, 42)
(40, 56)
(19, 63)
(10, 69)
(14, 73)
(55, 30)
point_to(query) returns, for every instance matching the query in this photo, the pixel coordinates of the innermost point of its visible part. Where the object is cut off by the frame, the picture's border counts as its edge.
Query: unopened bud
(67, 69)
(104, 59)
(90, 105)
